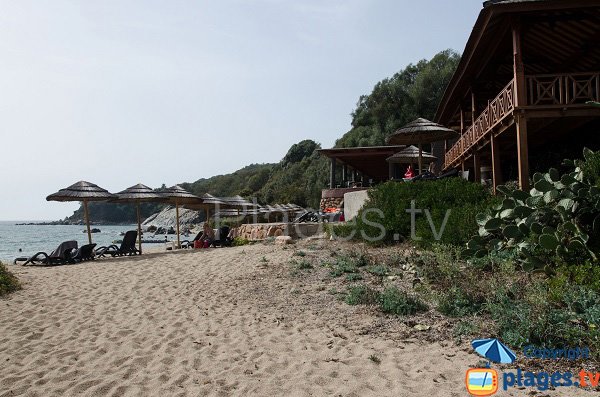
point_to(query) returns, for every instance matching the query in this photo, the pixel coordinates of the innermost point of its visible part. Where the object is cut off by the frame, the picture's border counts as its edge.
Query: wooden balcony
(544, 92)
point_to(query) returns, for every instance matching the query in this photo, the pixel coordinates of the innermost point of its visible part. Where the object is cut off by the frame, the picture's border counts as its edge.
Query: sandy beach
(217, 322)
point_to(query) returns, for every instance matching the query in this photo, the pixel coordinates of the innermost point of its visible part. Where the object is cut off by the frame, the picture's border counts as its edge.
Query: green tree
(413, 92)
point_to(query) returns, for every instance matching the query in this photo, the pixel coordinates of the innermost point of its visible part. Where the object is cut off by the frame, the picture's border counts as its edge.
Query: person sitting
(207, 237)
(432, 168)
(409, 173)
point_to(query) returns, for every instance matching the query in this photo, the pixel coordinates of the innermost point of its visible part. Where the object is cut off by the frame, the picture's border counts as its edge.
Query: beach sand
(217, 322)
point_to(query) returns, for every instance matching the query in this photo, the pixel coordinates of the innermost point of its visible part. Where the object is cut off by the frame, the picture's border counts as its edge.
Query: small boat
(94, 230)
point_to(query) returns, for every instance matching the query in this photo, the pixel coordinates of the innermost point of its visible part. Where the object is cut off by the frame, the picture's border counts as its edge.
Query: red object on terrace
(409, 173)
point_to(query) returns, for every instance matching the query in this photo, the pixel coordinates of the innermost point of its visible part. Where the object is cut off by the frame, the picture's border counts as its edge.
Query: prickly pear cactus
(558, 219)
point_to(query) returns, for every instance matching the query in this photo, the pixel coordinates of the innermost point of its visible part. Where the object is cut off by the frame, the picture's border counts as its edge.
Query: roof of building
(491, 32)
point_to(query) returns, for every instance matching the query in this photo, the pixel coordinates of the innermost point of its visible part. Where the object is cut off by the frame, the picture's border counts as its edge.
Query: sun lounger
(127, 246)
(84, 253)
(60, 256)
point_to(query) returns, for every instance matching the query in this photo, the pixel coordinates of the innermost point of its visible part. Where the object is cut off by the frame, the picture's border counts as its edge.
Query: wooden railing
(543, 90)
(562, 89)
(497, 109)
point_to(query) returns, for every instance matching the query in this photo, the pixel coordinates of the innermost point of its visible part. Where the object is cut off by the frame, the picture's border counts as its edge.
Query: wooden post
(476, 168)
(520, 100)
(177, 215)
(391, 170)
(518, 67)
(496, 168)
(462, 121)
(462, 166)
(332, 174)
(473, 107)
(522, 152)
(139, 227)
(344, 174)
(420, 158)
(87, 220)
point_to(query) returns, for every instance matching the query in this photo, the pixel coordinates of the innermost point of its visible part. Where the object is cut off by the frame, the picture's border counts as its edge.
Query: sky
(120, 92)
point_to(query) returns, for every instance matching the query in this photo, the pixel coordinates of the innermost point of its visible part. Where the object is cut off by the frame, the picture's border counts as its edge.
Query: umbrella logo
(494, 350)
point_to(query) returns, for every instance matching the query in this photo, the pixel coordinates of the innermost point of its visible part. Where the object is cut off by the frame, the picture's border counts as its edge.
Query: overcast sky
(122, 92)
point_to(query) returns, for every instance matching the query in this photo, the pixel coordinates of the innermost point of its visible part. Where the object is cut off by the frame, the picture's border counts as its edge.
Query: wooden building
(519, 94)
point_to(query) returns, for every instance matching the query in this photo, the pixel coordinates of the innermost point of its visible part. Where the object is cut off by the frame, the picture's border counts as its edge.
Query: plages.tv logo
(484, 381)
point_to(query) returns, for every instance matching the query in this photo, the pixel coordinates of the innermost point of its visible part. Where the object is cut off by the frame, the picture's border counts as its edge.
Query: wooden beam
(518, 67)
(177, 215)
(476, 168)
(139, 226)
(496, 168)
(462, 121)
(391, 170)
(332, 174)
(473, 107)
(420, 158)
(522, 153)
(86, 214)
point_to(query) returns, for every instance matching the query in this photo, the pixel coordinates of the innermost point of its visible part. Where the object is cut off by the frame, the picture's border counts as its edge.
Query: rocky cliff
(167, 218)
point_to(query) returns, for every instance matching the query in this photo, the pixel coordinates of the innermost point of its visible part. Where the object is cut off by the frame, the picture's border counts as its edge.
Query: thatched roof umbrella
(420, 131)
(84, 192)
(179, 196)
(138, 194)
(410, 155)
(225, 203)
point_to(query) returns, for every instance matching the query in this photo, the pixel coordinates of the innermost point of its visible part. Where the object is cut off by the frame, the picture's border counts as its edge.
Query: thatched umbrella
(178, 196)
(223, 203)
(84, 192)
(410, 155)
(420, 131)
(138, 194)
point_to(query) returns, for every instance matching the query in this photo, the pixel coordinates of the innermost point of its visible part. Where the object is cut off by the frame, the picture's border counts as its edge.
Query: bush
(394, 301)
(361, 295)
(301, 265)
(464, 200)
(343, 265)
(590, 167)
(8, 281)
(457, 302)
(239, 241)
(557, 221)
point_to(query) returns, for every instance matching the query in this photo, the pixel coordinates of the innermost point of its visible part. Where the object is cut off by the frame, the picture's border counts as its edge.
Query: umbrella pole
(139, 228)
(177, 215)
(87, 220)
(420, 158)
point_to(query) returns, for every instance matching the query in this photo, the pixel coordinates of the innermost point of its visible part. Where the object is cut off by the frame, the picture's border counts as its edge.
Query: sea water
(35, 238)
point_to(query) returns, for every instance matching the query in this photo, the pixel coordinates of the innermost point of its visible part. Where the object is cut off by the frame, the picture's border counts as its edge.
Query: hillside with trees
(414, 91)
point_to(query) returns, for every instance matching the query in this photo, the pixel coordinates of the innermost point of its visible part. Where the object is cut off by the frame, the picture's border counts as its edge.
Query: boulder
(283, 240)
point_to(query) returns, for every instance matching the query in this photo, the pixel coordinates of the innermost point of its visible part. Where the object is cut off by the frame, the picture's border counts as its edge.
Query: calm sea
(36, 238)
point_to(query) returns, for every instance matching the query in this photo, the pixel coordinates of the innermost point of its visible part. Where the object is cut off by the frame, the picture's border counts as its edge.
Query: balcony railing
(544, 91)
(562, 89)
(497, 109)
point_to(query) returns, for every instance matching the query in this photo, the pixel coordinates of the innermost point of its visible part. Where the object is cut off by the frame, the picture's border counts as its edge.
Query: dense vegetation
(8, 281)
(556, 222)
(414, 91)
(530, 272)
(446, 212)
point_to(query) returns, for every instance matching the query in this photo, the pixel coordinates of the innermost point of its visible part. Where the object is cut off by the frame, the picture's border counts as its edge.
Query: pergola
(360, 164)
